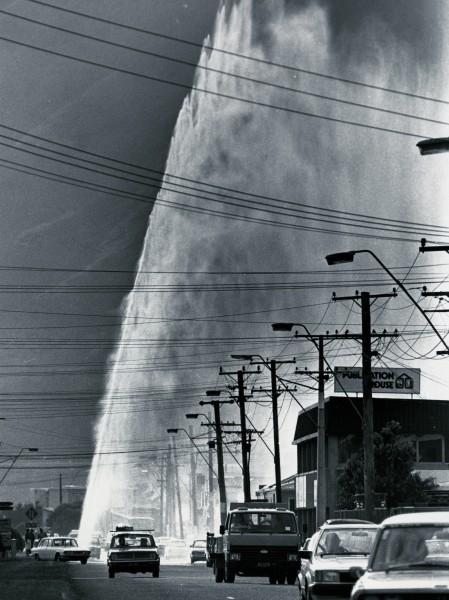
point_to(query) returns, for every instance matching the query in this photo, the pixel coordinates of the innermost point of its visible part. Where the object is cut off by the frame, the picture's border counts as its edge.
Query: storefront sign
(383, 380)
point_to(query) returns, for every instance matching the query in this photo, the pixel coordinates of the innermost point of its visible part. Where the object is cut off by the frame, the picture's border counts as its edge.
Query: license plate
(264, 564)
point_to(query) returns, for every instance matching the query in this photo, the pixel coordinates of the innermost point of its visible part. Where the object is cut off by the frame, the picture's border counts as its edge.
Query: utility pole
(241, 402)
(274, 403)
(277, 456)
(245, 462)
(161, 496)
(318, 341)
(368, 419)
(369, 482)
(193, 492)
(178, 492)
(219, 444)
(60, 489)
(321, 483)
(211, 513)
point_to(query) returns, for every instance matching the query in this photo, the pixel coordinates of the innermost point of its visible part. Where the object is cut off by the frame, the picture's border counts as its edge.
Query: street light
(13, 462)
(348, 257)
(433, 146)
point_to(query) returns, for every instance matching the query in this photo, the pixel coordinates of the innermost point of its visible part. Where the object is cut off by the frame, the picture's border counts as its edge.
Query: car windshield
(346, 541)
(258, 522)
(412, 546)
(132, 540)
(199, 544)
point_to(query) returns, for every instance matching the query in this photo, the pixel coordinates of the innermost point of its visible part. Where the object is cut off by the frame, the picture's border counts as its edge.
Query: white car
(177, 550)
(60, 549)
(331, 552)
(410, 559)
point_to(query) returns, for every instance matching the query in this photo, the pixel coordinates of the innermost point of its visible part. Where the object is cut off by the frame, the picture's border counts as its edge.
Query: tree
(65, 517)
(394, 457)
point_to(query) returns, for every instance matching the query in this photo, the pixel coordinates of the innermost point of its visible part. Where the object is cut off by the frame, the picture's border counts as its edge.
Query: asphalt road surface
(30, 580)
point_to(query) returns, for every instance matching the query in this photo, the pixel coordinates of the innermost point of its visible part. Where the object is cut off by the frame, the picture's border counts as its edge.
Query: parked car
(62, 549)
(95, 547)
(410, 559)
(133, 551)
(197, 551)
(330, 554)
(177, 550)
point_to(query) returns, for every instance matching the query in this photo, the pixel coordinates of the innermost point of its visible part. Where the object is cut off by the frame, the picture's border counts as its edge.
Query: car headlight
(112, 557)
(328, 576)
(234, 556)
(292, 557)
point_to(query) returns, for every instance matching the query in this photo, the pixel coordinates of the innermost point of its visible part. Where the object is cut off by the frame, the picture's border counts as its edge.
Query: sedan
(60, 549)
(410, 559)
(331, 553)
(198, 551)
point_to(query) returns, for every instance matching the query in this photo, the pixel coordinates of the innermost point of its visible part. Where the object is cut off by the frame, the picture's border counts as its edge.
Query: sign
(31, 525)
(383, 380)
(6, 506)
(31, 513)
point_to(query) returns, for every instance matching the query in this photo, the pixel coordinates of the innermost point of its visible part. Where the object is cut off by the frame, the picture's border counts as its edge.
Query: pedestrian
(29, 541)
(41, 534)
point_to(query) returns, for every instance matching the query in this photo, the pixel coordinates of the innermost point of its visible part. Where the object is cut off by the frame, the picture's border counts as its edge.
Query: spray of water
(269, 146)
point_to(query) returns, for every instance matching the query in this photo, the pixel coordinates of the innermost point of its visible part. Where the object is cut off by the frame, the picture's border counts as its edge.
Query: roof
(419, 518)
(343, 526)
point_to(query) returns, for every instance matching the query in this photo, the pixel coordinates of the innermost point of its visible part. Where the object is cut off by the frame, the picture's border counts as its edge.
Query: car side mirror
(306, 554)
(222, 529)
(356, 572)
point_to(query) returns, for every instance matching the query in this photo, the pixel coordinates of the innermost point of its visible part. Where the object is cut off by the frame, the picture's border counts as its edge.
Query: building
(424, 422)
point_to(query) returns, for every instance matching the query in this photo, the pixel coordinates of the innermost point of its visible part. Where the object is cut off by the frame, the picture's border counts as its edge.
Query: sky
(305, 147)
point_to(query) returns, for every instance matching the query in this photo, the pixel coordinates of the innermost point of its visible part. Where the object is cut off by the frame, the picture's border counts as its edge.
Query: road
(26, 578)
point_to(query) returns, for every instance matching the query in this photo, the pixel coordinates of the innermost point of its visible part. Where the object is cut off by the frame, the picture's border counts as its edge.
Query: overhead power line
(214, 93)
(236, 54)
(237, 76)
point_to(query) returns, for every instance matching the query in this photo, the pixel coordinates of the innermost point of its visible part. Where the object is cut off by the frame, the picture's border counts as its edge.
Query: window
(428, 448)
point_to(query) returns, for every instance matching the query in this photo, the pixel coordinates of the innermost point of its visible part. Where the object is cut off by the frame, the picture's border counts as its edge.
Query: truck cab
(257, 540)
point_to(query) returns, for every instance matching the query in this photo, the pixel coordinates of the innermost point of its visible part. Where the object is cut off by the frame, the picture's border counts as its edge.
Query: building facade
(424, 422)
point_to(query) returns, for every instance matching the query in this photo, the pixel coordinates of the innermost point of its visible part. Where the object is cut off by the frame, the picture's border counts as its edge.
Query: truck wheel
(229, 574)
(219, 574)
(156, 573)
(281, 579)
(272, 579)
(111, 573)
(291, 578)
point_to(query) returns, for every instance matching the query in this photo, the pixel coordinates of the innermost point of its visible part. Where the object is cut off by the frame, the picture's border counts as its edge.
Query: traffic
(405, 556)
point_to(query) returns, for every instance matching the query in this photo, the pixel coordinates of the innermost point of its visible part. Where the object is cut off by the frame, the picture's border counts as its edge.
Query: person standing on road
(29, 541)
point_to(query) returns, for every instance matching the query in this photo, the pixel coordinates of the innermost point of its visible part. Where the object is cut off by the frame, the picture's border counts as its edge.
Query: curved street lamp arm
(407, 293)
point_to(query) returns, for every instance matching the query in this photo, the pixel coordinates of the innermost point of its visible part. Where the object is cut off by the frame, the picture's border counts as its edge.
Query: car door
(43, 550)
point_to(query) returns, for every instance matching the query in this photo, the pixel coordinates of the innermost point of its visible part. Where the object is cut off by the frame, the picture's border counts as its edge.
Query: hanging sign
(383, 380)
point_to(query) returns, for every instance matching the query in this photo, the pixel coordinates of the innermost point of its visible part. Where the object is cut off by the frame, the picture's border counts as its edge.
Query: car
(197, 551)
(73, 533)
(176, 550)
(331, 552)
(95, 546)
(62, 549)
(133, 551)
(161, 542)
(410, 559)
